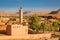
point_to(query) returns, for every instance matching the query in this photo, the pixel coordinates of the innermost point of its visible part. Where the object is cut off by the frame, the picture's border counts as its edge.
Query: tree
(34, 22)
(44, 26)
(55, 26)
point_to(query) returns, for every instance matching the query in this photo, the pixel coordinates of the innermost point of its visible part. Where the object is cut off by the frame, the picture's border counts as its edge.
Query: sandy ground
(2, 37)
(21, 39)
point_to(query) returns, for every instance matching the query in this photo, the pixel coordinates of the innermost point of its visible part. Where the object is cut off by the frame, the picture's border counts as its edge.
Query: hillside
(8, 14)
(40, 13)
(55, 13)
(30, 13)
(45, 13)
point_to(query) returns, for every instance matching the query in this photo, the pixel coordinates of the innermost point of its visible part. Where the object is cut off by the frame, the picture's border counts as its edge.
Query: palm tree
(43, 26)
(55, 26)
(34, 23)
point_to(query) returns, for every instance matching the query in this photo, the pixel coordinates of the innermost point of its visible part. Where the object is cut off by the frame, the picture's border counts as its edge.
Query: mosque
(17, 29)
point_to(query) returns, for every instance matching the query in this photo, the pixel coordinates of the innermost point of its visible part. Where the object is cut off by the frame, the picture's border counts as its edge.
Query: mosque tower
(17, 29)
(21, 15)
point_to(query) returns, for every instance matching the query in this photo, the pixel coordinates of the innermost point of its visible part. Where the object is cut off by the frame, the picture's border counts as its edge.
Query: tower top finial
(20, 7)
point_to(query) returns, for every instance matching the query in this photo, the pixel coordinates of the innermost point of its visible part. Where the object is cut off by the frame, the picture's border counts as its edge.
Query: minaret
(21, 15)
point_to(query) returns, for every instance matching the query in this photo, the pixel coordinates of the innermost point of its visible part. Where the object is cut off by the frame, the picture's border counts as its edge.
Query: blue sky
(14, 5)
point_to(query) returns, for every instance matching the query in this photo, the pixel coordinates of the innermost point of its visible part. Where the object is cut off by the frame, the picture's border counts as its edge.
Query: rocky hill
(30, 13)
(55, 14)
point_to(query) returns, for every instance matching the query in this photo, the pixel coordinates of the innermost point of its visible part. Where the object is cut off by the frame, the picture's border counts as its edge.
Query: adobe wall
(17, 30)
(8, 30)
